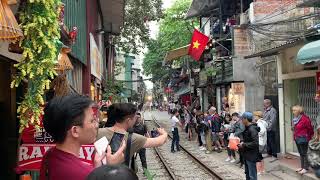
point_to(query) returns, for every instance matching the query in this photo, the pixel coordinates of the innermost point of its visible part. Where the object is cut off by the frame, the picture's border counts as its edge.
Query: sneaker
(227, 160)
(173, 151)
(203, 148)
(233, 161)
(303, 171)
(208, 152)
(273, 160)
(238, 161)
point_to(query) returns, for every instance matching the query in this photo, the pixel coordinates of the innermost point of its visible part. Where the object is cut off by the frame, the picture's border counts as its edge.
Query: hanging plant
(41, 46)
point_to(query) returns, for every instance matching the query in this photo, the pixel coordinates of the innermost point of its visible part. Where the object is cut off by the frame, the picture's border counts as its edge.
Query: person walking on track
(174, 129)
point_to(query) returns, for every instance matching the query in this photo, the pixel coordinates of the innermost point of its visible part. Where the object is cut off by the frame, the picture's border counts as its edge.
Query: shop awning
(309, 53)
(177, 53)
(182, 91)
(202, 7)
(309, 3)
(113, 15)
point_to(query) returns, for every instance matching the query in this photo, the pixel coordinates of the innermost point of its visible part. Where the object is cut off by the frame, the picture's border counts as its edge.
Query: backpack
(130, 162)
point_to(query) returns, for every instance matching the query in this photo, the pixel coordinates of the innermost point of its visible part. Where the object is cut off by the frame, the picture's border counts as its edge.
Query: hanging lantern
(9, 28)
(64, 62)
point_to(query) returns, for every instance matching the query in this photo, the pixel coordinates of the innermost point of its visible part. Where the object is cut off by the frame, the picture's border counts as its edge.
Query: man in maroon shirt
(70, 120)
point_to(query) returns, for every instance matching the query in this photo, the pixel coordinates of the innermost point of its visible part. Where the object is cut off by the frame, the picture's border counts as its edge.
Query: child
(227, 130)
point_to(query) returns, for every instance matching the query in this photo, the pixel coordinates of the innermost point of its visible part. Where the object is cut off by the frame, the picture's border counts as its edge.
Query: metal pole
(189, 68)
(220, 18)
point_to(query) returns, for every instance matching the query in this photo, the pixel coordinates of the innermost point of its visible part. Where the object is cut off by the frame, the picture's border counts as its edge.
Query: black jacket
(250, 147)
(216, 124)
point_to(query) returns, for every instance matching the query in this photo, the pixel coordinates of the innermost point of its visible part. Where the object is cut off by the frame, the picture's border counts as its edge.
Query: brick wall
(264, 7)
(241, 44)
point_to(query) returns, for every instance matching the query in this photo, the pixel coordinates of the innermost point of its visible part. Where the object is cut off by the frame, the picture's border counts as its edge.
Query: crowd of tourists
(247, 137)
(74, 120)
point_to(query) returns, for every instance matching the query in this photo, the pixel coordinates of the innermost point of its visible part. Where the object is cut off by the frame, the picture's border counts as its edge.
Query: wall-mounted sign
(238, 88)
(236, 97)
(318, 81)
(96, 59)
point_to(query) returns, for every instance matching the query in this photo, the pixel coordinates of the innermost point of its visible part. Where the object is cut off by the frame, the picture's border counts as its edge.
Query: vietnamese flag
(198, 44)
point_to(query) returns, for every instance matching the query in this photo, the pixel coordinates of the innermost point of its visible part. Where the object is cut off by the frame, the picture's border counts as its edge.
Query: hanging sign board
(95, 59)
(36, 144)
(317, 98)
(318, 81)
(30, 155)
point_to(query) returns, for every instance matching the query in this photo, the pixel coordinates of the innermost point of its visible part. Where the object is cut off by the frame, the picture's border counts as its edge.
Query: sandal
(303, 171)
(298, 170)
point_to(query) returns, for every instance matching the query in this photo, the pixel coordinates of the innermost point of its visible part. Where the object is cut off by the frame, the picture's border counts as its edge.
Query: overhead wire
(303, 17)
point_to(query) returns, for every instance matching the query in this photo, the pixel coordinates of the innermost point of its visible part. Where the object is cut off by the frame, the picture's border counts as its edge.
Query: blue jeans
(317, 171)
(175, 139)
(251, 170)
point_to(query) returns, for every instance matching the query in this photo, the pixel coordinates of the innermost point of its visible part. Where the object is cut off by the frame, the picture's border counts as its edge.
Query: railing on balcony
(224, 72)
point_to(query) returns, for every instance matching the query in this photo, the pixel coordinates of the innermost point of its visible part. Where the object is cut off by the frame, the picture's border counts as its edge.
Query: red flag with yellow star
(198, 44)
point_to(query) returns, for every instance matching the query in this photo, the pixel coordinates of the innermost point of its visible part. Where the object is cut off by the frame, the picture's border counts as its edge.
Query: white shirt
(172, 105)
(262, 124)
(174, 121)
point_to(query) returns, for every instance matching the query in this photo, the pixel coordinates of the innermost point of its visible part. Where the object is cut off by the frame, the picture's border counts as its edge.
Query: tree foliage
(135, 32)
(175, 31)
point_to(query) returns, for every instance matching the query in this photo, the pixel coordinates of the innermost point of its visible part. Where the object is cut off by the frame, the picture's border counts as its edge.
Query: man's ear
(74, 131)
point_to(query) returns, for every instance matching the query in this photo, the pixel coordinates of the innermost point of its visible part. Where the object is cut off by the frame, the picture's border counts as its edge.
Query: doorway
(302, 92)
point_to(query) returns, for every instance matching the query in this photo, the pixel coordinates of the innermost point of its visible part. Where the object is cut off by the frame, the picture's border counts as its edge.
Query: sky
(154, 29)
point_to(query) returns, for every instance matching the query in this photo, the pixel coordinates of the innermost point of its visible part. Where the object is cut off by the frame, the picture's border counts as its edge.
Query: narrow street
(78, 76)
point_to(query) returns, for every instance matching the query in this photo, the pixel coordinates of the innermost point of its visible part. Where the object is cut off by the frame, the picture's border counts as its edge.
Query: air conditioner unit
(244, 19)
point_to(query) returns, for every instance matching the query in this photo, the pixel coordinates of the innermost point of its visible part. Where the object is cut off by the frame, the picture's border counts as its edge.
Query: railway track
(181, 165)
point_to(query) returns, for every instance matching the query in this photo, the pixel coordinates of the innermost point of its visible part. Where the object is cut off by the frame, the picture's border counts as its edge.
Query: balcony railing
(224, 72)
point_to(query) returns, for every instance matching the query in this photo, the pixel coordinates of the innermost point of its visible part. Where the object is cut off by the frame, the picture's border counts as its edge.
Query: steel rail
(212, 172)
(163, 161)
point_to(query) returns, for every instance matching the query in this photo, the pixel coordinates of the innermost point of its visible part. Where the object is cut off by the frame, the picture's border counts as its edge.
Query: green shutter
(75, 15)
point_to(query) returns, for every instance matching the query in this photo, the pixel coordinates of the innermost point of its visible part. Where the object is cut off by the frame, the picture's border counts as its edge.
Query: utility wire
(303, 17)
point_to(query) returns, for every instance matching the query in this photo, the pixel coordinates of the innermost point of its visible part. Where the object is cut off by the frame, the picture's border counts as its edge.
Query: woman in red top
(303, 132)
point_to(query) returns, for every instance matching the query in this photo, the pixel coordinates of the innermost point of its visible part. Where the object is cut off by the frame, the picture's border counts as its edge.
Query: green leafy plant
(211, 71)
(175, 31)
(135, 32)
(113, 91)
(41, 46)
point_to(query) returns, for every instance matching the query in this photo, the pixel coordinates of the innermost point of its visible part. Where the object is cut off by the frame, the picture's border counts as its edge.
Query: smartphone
(154, 133)
(116, 142)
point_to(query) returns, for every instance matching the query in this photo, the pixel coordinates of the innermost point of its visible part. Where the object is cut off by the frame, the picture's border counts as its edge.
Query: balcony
(224, 72)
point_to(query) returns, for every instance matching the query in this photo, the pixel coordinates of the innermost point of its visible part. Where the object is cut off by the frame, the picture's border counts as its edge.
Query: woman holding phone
(121, 118)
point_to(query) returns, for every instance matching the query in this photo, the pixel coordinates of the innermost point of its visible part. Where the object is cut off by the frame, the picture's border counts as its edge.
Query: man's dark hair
(174, 111)
(104, 108)
(235, 114)
(117, 112)
(61, 113)
(118, 172)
